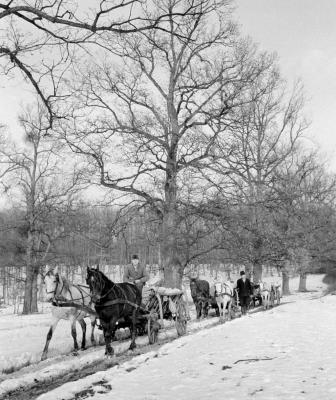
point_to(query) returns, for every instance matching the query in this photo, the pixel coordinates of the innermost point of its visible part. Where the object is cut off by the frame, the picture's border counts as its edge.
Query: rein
(62, 302)
(57, 299)
(117, 301)
(120, 301)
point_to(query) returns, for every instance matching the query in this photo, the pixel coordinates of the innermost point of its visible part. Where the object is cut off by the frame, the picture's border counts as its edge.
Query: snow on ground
(285, 353)
(22, 338)
(51, 369)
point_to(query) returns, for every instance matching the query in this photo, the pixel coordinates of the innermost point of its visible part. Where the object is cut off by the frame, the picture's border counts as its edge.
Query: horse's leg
(198, 309)
(207, 306)
(223, 311)
(108, 329)
(74, 332)
(93, 324)
(82, 323)
(229, 309)
(49, 336)
(218, 309)
(134, 330)
(202, 309)
(219, 305)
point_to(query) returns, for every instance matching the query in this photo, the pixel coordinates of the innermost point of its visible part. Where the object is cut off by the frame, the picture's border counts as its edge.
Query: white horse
(59, 290)
(224, 293)
(265, 292)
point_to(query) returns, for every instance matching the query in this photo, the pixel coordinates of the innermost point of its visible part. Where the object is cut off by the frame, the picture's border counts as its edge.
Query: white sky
(302, 32)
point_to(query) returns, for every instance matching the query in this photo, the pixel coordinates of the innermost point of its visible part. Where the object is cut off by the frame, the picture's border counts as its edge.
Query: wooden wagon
(166, 304)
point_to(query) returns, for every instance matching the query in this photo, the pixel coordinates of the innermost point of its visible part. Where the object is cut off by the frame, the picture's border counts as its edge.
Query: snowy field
(284, 350)
(22, 338)
(285, 353)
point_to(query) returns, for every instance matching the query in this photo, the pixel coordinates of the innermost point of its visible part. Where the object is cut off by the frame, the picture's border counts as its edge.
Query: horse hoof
(44, 357)
(75, 353)
(109, 351)
(132, 346)
(83, 348)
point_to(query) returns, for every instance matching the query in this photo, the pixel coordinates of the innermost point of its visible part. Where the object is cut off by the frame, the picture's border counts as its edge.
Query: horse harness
(61, 301)
(224, 293)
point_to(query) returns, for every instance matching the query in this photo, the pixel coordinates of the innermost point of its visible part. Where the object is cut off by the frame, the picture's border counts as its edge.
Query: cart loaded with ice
(160, 304)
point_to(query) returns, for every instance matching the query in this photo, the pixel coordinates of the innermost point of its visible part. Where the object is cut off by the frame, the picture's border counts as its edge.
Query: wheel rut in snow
(33, 391)
(101, 365)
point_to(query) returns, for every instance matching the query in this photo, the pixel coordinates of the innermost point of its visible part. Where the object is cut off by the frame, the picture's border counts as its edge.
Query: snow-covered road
(285, 353)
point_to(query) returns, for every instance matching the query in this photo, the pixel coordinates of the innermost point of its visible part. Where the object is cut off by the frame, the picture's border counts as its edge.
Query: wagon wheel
(251, 303)
(181, 318)
(153, 328)
(235, 304)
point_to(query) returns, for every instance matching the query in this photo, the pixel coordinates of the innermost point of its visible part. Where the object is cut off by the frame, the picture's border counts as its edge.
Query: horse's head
(218, 287)
(52, 282)
(193, 286)
(264, 285)
(96, 283)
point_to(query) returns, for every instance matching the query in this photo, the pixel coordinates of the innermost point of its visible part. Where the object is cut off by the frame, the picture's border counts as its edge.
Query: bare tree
(164, 109)
(39, 38)
(263, 135)
(37, 181)
(303, 215)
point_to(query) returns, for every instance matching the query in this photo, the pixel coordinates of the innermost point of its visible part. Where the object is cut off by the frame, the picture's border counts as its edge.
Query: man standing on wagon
(136, 273)
(245, 290)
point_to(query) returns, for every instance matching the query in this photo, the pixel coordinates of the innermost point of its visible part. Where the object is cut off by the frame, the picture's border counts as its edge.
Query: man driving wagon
(136, 273)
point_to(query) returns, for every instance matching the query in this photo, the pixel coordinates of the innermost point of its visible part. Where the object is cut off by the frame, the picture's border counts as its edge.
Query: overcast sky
(302, 32)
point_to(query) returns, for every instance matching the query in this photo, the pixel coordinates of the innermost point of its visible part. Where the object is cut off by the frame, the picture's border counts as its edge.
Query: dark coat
(140, 274)
(244, 288)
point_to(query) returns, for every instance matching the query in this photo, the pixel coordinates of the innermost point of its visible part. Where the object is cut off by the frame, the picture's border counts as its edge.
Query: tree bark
(257, 272)
(30, 292)
(285, 283)
(172, 269)
(30, 295)
(303, 282)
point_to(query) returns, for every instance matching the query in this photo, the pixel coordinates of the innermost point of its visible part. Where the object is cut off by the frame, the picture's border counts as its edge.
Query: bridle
(56, 299)
(101, 286)
(56, 287)
(223, 291)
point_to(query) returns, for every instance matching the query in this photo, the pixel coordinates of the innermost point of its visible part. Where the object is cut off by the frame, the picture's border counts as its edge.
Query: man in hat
(245, 290)
(136, 273)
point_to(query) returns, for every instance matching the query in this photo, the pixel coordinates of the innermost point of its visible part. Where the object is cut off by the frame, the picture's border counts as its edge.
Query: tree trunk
(303, 282)
(5, 283)
(257, 272)
(285, 283)
(30, 294)
(172, 269)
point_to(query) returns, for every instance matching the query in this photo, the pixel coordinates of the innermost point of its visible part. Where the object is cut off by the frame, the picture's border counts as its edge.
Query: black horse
(200, 293)
(114, 302)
